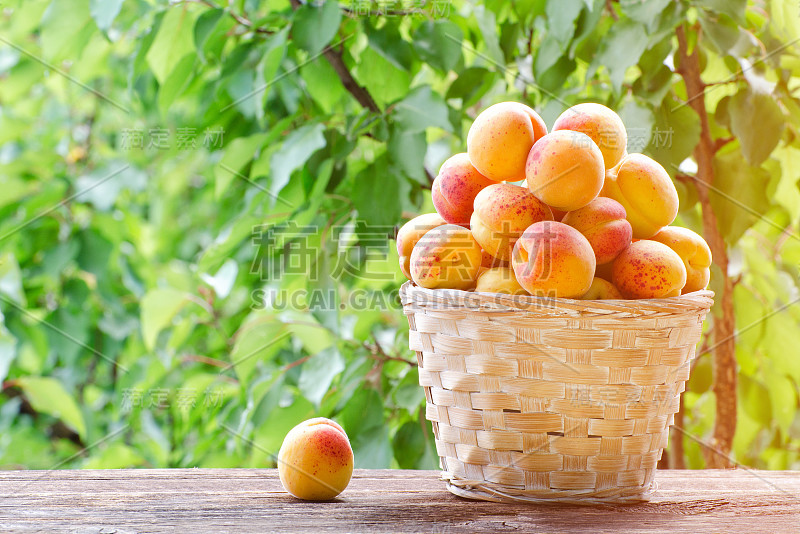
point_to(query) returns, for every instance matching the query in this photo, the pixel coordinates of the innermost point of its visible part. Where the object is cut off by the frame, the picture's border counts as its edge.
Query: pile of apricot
(567, 214)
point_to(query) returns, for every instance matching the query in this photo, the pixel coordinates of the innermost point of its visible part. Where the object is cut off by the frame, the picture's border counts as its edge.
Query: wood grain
(252, 500)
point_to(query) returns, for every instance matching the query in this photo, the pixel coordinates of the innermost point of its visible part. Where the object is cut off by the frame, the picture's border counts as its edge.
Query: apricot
(602, 221)
(693, 250)
(601, 124)
(565, 170)
(553, 259)
(646, 192)
(488, 261)
(603, 270)
(648, 270)
(454, 189)
(410, 233)
(601, 290)
(446, 257)
(315, 461)
(500, 138)
(499, 280)
(502, 213)
(557, 214)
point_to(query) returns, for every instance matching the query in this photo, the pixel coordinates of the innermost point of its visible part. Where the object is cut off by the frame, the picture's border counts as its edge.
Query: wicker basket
(536, 399)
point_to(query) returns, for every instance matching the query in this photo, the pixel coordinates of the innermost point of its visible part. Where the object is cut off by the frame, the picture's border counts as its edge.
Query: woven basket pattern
(551, 399)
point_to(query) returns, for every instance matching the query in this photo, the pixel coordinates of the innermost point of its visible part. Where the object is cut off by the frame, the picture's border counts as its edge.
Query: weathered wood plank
(252, 500)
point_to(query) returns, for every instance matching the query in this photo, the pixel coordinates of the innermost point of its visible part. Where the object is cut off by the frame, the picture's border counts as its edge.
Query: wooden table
(252, 500)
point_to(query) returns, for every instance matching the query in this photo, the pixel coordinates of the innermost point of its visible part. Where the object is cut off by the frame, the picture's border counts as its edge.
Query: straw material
(534, 399)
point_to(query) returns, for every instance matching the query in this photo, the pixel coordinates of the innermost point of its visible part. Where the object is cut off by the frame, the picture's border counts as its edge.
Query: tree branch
(337, 62)
(360, 93)
(724, 359)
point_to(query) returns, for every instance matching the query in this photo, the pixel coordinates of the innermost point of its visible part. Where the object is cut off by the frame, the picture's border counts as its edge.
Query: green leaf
(314, 337)
(174, 40)
(274, 53)
(758, 122)
(723, 33)
(223, 281)
(783, 399)
(241, 86)
(733, 8)
(638, 120)
(487, 24)
(115, 456)
(561, 18)
(178, 80)
(205, 25)
(258, 341)
(422, 108)
(318, 374)
(8, 351)
(158, 308)
(382, 78)
(364, 410)
(295, 150)
(547, 54)
(438, 43)
(470, 85)
(372, 448)
(211, 33)
(784, 188)
(323, 84)
(362, 419)
(103, 185)
(66, 29)
(389, 43)
(554, 77)
(781, 338)
(11, 279)
(409, 444)
(270, 434)
(314, 26)
(237, 155)
(104, 12)
(740, 195)
(646, 12)
(755, 400)
(377, 181)
(48, 396)
(784, 20)
(675, 134)
(621, 49)
(407, 152)
(408, 394)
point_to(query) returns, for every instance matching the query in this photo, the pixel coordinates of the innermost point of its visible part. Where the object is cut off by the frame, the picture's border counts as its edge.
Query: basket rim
(695, 302)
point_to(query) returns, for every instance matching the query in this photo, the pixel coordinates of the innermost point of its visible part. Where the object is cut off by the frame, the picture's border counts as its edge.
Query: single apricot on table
(315, 462)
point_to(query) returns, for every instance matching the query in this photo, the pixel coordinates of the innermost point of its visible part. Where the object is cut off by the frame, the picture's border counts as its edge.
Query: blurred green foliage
(162, 165)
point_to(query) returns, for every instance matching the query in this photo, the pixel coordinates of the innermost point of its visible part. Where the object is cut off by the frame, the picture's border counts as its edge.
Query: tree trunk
(717, 453)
